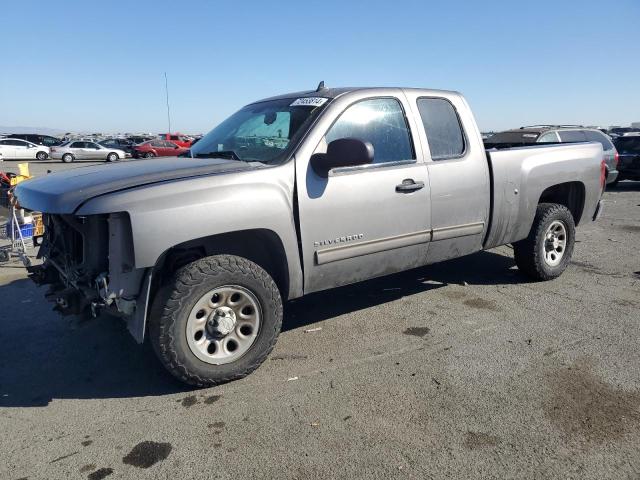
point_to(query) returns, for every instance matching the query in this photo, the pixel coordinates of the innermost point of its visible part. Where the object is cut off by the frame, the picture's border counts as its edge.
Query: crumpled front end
(87, 261)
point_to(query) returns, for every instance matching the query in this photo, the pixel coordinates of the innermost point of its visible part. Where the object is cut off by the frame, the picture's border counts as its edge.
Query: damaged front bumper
(88, 265)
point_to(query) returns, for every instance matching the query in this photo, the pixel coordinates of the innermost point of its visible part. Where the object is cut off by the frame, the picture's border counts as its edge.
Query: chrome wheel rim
(555, 243)
(223, 324)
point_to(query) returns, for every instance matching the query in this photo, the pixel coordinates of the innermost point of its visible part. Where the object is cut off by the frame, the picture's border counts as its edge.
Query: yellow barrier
(24, 174)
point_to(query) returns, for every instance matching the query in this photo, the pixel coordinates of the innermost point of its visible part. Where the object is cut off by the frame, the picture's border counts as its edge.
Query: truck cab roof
(339, 91)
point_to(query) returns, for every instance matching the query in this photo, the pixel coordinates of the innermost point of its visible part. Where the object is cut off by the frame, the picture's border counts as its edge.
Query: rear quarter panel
(521, 175)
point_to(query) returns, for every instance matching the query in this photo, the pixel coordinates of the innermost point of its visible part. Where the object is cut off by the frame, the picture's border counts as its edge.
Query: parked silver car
(83, 150)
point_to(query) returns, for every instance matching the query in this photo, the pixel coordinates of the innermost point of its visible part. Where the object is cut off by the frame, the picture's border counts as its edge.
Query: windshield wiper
(229, 154)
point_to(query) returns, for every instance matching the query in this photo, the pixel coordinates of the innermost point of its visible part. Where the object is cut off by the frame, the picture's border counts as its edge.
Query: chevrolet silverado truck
(291, 195)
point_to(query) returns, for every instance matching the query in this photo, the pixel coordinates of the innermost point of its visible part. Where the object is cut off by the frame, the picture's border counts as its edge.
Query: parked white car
(15, 149)
(83, 150)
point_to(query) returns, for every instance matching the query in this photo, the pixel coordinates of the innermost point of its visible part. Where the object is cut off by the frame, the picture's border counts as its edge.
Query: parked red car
(177, 138)
(157, 148)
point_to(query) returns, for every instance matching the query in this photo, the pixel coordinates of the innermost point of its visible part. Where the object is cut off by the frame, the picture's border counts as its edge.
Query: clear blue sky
(98, 66)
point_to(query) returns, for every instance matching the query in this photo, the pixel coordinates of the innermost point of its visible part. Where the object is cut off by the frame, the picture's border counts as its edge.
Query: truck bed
(520, 177)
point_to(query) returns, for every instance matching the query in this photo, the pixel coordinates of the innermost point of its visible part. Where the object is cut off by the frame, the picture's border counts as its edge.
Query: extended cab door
(363, 221)
(458, 172)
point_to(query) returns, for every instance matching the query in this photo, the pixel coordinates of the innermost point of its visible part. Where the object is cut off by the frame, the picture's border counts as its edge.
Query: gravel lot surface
(460, 370)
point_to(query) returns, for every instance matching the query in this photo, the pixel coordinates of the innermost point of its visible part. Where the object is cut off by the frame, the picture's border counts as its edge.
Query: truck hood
(63, 192)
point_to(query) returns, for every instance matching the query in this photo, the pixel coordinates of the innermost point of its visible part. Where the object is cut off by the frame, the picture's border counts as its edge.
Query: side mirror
(344, 152)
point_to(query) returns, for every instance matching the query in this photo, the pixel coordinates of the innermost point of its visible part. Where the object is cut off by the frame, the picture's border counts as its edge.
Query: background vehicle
(292, 195)
(620, 131)
(559, 134)
(157, 148)
(16, 149)
(45, 140)
(629, 151)
(81, 150)
(123, 144)
(136, 139)
(177, 138)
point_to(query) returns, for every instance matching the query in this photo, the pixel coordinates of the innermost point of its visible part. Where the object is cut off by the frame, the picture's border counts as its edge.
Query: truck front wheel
(217, 320)
(546, 252)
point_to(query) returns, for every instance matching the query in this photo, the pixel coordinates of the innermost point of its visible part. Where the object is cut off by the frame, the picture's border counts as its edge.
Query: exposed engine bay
(88, 263)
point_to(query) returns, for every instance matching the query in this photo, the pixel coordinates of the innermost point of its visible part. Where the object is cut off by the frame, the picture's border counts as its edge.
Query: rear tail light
(603, 174)
(616, 158)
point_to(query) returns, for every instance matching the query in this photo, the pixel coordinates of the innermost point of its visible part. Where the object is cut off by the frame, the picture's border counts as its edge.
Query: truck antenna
(320, 86)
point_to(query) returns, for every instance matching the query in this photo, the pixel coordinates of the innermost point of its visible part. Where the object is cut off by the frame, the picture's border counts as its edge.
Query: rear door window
(381, 122)
(443, 128)
(593, 136)
(572, 136)
(628, 145)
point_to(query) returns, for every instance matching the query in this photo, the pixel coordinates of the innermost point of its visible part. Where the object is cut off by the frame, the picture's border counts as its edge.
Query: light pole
(166, 89)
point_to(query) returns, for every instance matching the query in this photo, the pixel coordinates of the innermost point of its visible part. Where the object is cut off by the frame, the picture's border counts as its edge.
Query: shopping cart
(20, 237)
(20, 229)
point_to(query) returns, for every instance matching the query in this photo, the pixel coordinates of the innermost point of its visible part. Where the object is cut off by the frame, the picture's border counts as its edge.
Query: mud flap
(599, 210)
(138, 321)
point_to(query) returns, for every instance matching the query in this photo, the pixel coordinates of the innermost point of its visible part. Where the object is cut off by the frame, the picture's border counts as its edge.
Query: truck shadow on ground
(44, 357)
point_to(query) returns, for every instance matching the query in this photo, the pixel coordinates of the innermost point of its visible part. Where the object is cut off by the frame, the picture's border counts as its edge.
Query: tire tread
(170, 300)
(526, 252)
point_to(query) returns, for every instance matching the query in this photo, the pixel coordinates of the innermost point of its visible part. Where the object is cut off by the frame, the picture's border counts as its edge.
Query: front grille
(77, 245)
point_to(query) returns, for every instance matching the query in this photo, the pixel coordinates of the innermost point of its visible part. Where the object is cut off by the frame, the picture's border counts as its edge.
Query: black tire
(148, 155)
(112, 157)
(41, 156)
(4, 256)
(67, 158)
(529, 253)
(174, 301)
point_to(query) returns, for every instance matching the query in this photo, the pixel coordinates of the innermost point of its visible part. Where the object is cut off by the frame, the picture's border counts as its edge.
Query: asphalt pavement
(464, 369)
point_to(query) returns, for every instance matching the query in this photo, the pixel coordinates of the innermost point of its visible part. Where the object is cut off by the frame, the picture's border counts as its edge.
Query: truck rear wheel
(547, 251)
(216, 321)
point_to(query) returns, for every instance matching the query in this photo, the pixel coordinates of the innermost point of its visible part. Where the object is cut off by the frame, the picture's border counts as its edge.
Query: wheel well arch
(262, 246)
(569, 194)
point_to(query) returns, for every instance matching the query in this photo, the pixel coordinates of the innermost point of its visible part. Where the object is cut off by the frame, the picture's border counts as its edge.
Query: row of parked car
(621, 146)
(42, 147)
(621, 149)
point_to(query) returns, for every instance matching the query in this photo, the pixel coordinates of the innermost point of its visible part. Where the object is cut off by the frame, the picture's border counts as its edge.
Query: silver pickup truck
(291, 195)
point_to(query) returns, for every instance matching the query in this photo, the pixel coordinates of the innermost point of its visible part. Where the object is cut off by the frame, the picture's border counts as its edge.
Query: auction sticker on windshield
(309, 102)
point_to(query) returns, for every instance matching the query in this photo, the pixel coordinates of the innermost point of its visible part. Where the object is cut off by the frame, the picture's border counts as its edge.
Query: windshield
(262, 132)
(628, 145)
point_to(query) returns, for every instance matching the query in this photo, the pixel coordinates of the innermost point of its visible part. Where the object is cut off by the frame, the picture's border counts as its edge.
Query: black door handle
(409, 185)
